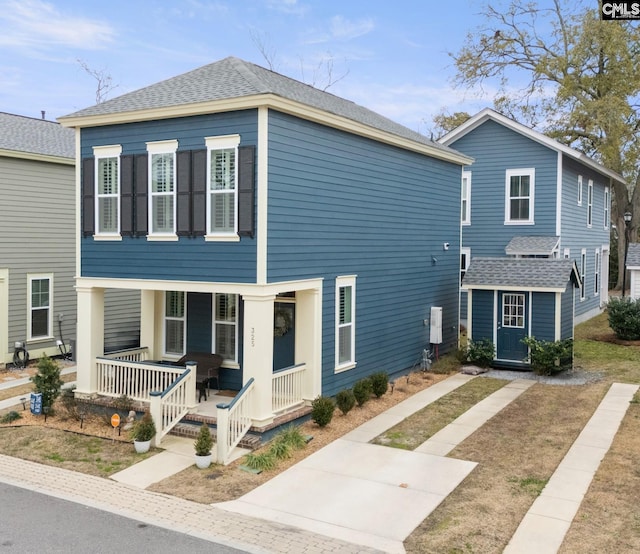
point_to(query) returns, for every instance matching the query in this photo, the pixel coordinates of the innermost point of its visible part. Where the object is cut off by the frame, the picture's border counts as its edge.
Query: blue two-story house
(529, 196)
(302, 237)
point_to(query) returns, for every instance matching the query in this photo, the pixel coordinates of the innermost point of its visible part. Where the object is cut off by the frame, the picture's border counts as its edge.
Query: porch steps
(190, 430)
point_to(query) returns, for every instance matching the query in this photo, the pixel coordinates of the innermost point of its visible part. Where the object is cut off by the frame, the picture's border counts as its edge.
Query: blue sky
(392, 56)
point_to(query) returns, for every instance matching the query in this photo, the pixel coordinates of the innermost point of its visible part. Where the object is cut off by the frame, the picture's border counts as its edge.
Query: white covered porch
(171, 390)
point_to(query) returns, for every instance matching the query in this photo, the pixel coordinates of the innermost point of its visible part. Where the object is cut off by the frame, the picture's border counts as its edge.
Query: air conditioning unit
(435, 333)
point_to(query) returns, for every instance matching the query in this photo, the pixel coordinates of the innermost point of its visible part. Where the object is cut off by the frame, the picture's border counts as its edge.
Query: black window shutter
(246, 191)
(183, 207)
(141, 184)
(88, 187)
(199, 192)
(126, 195)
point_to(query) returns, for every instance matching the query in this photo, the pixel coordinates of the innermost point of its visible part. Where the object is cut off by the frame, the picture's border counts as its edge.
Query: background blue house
(262, 219)
(528, 196)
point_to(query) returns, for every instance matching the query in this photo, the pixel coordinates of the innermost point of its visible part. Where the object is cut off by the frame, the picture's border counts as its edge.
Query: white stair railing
(233, 422)
(136, 380)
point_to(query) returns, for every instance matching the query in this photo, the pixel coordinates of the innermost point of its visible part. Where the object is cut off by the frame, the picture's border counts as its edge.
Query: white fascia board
(36, 157)
(514, 288)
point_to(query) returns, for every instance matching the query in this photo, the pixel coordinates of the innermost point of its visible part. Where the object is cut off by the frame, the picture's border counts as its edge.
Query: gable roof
(633, 255)
(488, 114)
(541, 274)
(232, 84)
(532, 246)
(26, 137)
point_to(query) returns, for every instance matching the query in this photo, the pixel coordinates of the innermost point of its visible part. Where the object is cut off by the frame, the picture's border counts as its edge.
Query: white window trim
(579, 190)
(227, 361)
(466, 216)
(30, 278)
(345, 281)
(100, 152)
(531, 172)
(161, 147)
(590, 204)
(607, 208)
(597, 273)
(567, 253)
(173, 318)
(222, 142)
(466, 251)
(583, 273)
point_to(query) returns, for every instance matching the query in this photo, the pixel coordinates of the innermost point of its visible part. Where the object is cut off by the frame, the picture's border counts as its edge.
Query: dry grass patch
(422, 425)
(517, 451)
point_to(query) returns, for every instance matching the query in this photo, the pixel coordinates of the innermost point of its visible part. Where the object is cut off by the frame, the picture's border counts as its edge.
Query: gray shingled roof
(524, 273)
(235, 78)
(531, 246)
(633, 254)
(36, 136)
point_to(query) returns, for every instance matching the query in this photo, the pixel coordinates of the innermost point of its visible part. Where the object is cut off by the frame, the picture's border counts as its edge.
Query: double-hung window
(39, 306)
(465, 259)
(519, 201)
(107, 196)
(579, 190)
(596, 279)
(583, 271)
(175, 316)
(345, 323)
(162, 187)
(606, 207)
(225, 326)
(590, 203)
(222, 189)
(465, 208)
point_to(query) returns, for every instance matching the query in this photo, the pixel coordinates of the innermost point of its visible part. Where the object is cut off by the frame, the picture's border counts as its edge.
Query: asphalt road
(32, 522)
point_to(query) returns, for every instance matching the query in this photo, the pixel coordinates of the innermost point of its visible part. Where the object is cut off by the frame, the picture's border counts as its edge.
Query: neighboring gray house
(38, 243)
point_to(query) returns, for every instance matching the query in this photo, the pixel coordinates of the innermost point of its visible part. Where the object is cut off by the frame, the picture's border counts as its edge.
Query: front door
(512, 326)
(284, 335)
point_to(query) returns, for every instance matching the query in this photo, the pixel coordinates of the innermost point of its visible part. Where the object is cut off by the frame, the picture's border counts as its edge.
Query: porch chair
(208, 367)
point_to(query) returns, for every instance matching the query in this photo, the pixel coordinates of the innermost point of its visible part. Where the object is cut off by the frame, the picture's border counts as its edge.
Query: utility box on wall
(435, 333)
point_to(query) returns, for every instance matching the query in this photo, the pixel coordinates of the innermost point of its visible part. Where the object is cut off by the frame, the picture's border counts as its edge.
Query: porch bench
(208, 367)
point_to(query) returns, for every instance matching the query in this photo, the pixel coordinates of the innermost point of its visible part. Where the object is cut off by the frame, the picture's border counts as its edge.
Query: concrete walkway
(370, 494)
(543, 528)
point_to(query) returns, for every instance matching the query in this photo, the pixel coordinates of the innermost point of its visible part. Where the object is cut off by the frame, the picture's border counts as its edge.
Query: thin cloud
(288, 6)
(342, 29)
(37, 24)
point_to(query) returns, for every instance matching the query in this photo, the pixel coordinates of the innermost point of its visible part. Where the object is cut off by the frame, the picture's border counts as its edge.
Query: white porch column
(258, 354)
(89, 338)
(309, 340)
(147, 322)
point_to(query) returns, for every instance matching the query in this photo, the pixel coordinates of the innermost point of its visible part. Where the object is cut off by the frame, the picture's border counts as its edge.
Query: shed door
(512, 326)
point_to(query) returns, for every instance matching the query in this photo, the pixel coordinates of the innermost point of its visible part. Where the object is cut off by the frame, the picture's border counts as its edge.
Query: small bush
(293, 437)
(481, 352)
(47, 380)
(379, 383)
(547, 358)
(260, 462)
(144, 429)
(345, 401)
(322, 410)
(204, 441)
(123, 403)
(362, 390)
(280, 450)
(69, 405)
(624, 318)
(10, 417)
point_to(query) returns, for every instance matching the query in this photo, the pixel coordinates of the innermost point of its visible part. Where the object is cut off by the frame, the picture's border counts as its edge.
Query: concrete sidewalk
(20, 379)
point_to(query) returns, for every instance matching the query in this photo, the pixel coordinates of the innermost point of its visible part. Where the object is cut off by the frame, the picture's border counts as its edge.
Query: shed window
(513, 310)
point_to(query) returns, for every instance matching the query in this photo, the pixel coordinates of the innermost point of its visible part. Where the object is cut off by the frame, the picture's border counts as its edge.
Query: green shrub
(379, 383)
(481, 352)
(10, 417)
(204, 441)
(624, 318)
(47, 380)
(280, 450)
(547, 358)
(144, 429)
(362, 390)
(260, 462)
(322, 410)
(293, 437)
(345, 401)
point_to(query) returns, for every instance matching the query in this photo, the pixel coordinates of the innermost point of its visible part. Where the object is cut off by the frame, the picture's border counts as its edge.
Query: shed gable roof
(232, 79)
(532, 246)
(21, 135)
(633, 255)
(547, 274)
(489, 114)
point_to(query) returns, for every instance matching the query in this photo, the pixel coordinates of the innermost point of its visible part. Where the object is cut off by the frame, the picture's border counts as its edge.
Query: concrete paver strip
(546, 523)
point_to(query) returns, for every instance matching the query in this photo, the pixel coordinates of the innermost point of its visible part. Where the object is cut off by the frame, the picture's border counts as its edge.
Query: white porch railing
(168, 407)
(130, 354)
(233, 422)
(287, 387)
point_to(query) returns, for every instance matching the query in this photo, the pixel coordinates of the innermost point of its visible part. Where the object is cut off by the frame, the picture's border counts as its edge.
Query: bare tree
(104, 81)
